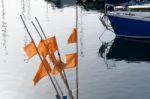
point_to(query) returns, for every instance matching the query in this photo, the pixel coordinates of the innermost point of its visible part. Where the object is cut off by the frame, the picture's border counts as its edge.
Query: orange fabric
(71, 60)
(52, 58)
(52, 44)
(30, 50)
(41, 72)
(49, 46)
(58, 67)
(73, 36)
(43, 48)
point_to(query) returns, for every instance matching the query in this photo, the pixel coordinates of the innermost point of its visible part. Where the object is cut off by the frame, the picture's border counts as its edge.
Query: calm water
(121, 74)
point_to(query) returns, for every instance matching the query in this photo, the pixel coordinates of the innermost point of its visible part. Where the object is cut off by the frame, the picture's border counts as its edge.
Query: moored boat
(130, 24)
(124, 21)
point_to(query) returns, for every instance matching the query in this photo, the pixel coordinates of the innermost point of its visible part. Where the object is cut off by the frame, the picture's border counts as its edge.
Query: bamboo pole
(64, 77)
(41, 59)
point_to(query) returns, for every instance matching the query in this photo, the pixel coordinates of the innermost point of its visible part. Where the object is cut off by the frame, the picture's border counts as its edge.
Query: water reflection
(94, 4)
(127, 50)
(47, 12)
(23, 8)
(81, 33)
(28, 9)
(103, 51)
(87, 4)
(26, 13)
(61, 3)
(4, 28)
(25, 5)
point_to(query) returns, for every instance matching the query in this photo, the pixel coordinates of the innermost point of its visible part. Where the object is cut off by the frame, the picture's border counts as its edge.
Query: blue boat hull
(130, 27)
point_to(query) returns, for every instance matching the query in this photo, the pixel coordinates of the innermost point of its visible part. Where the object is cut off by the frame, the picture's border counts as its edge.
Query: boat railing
(104, 19)
(108, 7)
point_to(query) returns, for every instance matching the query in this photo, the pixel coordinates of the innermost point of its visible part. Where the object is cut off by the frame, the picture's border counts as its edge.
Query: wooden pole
(77, 78)
(49, 55)
(64, 77)
(59, 57)
(41, 59)
(59, 86)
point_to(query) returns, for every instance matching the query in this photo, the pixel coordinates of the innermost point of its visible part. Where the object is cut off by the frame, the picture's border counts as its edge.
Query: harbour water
(117, 75)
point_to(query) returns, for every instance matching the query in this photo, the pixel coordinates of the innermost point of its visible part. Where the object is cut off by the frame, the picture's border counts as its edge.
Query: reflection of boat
(58, 3)
(87, 4)
(129, 50)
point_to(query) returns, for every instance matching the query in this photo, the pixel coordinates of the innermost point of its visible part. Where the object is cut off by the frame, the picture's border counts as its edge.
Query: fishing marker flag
(30, 50)
(71, 60)
(52, 44)
(41, 72)
(48, 46)
(58, 67)
(43, 48)
(53, 47)
(52, 58)
(73, 36)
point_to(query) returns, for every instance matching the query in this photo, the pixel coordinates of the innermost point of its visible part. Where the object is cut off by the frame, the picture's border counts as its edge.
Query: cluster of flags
(48, 47)
(52, 65)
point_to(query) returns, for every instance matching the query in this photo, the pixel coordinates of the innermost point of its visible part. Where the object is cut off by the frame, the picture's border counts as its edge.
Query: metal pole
(41, 58)
(77, 78)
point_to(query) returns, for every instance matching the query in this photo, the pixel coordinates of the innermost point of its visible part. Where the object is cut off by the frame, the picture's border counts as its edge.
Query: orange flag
(71, 60)
(52, 44)
(58, 67)
(43, 48)
(73, 36)
(52, 58)
(30, 50)
(41, 71)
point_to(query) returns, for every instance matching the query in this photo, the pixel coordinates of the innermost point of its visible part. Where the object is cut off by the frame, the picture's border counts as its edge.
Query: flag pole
(77, 78)
(64, 78)
(49, 55)
(41, 58)
(57, 51)
(59, 86)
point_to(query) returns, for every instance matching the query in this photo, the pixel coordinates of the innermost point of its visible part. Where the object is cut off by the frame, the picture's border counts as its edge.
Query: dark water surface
(117, 75)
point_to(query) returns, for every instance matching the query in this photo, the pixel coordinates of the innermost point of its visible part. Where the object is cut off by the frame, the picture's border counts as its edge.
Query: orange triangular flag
(73, 36)
(43, 48)
(30, 50)
(71, 60)
(52, 43)
(58, 67)
(41, 72)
